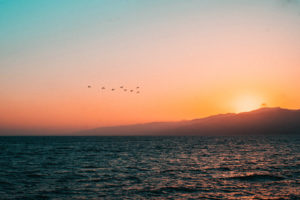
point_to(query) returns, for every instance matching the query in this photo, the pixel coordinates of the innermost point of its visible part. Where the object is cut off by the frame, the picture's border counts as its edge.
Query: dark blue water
(150, 167)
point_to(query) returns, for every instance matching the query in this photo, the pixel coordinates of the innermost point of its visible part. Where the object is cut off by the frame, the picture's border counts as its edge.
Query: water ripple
(150, 168)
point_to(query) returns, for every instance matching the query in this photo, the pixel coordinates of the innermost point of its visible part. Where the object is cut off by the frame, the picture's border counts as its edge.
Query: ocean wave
(170, 189)
(94, 168)
(257, 177)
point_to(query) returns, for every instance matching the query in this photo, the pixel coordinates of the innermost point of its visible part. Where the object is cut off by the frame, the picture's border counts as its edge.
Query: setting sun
(247, 103)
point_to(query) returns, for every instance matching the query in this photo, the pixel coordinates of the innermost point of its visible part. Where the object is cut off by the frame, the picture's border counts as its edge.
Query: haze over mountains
(264, 121)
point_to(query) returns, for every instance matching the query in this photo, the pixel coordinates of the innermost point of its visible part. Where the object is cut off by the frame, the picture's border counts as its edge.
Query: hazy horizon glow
(190, 58)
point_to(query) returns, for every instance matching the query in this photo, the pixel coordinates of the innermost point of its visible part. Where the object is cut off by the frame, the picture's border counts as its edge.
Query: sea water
(150, 167)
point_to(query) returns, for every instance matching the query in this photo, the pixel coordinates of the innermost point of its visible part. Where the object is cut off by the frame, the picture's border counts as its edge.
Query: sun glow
(247, 103)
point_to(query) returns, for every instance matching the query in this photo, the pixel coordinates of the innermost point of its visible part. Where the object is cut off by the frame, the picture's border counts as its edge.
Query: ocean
(150, 167)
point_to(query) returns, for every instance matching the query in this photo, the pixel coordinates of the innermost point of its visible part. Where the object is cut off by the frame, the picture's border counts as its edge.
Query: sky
(191, 59)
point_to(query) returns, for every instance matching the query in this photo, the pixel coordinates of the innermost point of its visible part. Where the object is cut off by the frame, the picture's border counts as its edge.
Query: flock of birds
(136, 90)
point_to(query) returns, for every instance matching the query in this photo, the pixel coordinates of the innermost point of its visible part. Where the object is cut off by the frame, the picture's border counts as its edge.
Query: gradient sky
(190, 58)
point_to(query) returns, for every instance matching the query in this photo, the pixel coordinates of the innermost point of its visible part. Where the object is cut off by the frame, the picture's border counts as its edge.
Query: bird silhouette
(136, 90)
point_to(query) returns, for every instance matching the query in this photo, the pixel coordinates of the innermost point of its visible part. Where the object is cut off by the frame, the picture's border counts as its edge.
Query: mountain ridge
(265, 120)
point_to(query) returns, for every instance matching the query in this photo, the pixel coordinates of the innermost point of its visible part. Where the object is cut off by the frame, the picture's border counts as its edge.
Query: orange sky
(191, 59)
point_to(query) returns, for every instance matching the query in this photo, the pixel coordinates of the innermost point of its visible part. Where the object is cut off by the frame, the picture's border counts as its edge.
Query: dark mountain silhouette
(264, 121)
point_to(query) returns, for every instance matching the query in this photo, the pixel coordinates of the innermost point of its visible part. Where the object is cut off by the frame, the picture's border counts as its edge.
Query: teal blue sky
(27, 22)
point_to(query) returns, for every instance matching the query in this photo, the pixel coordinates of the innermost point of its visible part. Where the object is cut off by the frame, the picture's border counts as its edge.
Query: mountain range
(263, 121)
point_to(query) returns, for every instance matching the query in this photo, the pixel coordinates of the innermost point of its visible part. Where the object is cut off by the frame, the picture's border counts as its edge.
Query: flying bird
(131, 90)
(121, 87)
(89, 86)
(125, 90)
(137, 87)
(112, 89)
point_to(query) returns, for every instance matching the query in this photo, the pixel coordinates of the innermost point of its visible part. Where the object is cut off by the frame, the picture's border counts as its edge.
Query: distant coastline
(265, 121)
